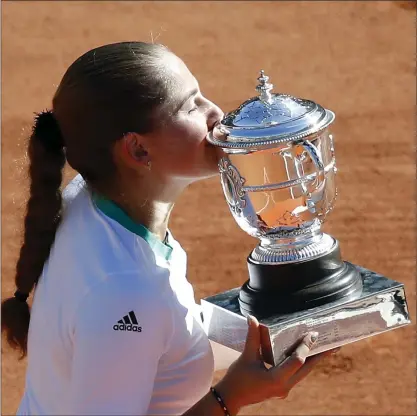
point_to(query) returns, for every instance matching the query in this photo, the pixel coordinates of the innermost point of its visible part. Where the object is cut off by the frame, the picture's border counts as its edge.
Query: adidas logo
(128, 323)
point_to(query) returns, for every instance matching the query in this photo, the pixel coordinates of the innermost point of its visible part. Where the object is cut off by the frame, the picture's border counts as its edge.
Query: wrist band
(220, 401)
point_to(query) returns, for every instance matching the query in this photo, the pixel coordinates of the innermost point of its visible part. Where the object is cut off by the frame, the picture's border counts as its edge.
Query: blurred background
(356, 58)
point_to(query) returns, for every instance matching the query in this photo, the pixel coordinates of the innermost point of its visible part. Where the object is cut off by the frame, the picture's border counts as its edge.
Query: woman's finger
(306, 369)
(251, 351)
(297, 359)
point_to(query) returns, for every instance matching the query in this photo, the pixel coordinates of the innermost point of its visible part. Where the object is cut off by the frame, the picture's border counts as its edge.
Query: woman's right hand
(249, 381)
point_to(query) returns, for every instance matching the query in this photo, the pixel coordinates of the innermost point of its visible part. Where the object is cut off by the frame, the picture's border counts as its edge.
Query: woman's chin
(210, 172)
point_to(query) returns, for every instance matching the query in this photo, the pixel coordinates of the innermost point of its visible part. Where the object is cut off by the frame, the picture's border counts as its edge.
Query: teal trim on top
(113, 211)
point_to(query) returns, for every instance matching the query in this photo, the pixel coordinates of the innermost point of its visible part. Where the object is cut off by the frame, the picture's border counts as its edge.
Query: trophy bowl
(278, 171)
(278, 178)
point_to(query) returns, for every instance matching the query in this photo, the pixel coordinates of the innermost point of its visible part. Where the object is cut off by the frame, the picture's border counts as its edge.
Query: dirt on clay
(356, 58)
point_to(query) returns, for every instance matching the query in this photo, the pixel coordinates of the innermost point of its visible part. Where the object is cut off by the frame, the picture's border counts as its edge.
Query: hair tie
(22, 297)
(47, 131)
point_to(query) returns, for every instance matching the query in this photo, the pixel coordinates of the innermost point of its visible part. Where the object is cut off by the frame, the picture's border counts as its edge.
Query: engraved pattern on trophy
(232, 184)
(262, 115)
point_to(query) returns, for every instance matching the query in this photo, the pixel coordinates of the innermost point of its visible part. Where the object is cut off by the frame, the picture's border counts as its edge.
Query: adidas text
(124, 327)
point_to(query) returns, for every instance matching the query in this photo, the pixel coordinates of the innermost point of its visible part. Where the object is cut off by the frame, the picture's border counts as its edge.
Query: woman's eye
(192, 110)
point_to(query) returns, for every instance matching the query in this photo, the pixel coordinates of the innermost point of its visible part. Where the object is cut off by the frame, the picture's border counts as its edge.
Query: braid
(43, 215)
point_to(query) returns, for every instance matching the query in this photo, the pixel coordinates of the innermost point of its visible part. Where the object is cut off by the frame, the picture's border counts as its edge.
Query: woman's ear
(133, 150)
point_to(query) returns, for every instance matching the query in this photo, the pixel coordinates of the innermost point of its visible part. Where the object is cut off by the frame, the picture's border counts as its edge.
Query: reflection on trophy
(278, 177)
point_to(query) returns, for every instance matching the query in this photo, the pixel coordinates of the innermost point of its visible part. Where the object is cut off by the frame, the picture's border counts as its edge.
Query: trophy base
(285, 288)
(380, 307)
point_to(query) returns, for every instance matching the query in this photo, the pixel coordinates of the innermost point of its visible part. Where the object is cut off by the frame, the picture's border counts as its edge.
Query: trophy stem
(293, 249)
(295, 286)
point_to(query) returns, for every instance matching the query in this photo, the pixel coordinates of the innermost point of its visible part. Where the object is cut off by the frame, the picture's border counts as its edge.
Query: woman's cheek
(194, 132)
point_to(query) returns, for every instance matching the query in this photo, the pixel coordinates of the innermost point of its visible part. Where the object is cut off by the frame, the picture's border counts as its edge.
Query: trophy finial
(264, 87)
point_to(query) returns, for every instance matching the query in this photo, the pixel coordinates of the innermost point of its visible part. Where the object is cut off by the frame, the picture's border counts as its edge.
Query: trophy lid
(269, 119)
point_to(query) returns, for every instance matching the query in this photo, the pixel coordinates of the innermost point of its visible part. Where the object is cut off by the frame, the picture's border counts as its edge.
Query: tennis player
(114, 328)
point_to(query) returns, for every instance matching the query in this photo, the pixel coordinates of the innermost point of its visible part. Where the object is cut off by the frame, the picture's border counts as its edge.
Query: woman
(114, 328)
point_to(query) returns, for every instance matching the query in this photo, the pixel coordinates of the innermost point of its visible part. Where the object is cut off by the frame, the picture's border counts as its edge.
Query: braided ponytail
(43, 214)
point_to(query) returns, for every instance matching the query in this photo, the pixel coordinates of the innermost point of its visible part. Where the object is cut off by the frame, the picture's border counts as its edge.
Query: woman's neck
(154, 215)
(149, 206)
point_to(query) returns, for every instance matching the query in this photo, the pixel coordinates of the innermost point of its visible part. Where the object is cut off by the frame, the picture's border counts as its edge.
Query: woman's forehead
(180, 73)
(181, 85)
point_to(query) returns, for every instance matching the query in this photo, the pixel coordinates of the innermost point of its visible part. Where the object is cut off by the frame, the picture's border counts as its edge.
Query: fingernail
(314, 336)
(252, 320)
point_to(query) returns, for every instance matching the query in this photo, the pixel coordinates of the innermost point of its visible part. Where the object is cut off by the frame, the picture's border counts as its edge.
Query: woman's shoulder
(127, 287)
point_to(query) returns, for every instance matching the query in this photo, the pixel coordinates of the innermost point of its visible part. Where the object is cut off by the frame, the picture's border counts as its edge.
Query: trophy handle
(320, 179)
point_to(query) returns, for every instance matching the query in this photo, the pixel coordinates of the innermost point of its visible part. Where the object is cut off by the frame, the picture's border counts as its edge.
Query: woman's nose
(215, 115)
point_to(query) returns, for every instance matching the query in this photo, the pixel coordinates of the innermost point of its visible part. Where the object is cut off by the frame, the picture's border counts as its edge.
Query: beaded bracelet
(220, 401)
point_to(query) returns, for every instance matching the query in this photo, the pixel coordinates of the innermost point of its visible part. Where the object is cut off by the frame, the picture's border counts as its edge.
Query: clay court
(356, 58)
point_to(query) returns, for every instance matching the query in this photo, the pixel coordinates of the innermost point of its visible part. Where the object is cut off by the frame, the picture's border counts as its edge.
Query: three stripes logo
(128, 323)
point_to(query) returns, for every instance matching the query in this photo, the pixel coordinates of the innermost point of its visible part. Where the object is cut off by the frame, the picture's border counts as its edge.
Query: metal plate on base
(381, 307)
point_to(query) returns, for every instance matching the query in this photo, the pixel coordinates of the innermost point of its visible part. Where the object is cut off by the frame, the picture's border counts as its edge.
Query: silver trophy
(278, 177)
